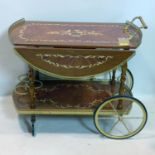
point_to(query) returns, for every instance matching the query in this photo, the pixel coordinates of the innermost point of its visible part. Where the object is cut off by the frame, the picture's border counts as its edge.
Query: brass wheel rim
(120, 116)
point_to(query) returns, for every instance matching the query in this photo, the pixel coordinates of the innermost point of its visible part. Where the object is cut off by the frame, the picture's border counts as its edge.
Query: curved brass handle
(131, 23)
(142, 22)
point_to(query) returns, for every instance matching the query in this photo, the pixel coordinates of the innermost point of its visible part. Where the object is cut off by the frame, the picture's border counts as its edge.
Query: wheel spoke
(114, 109)
(105, 118)
(133, 117)
(125, 125)
(114, 126)
(126, 110)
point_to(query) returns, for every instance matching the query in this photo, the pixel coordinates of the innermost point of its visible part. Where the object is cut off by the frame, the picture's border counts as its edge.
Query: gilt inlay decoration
(72, 31)
(72, 62)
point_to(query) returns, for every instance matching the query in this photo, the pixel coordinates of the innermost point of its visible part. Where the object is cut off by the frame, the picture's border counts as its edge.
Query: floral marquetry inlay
(75, 33)
(74, 61)
(44, 32)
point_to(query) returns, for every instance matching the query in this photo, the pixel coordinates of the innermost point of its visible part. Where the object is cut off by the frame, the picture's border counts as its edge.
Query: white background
(68, 136)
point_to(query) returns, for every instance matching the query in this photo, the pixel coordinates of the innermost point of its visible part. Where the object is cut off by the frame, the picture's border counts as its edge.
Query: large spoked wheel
(120, 117)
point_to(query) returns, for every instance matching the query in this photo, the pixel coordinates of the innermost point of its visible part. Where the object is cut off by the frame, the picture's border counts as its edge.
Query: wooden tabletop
(82, 35)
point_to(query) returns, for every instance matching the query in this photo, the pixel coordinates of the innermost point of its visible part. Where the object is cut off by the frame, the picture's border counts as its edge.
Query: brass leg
(123, 79)
(113, 82)
(32, 87)
(32, 93)
(113, 77)
(37, 75)
(33, 119)
(122, 84)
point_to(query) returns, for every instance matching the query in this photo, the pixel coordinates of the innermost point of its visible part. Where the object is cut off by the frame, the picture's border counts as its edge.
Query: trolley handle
(144, 26)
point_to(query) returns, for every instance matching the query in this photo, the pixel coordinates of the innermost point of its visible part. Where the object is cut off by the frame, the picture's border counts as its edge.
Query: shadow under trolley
(80, 69)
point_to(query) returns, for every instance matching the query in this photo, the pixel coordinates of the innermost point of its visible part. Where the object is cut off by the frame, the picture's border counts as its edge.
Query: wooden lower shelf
(66, 98)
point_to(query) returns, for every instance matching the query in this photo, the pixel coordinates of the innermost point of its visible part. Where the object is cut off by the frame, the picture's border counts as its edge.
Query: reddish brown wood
(32, 92)
(69, 94)
(74, 63)
(65, 34)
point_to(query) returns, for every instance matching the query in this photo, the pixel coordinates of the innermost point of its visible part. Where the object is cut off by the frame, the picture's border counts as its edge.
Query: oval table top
(78, 35)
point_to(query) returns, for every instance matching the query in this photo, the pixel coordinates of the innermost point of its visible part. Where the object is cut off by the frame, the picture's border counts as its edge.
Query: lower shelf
(66, 98)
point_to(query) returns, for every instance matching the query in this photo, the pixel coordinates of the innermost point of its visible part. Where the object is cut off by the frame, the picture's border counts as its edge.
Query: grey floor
(68, 135)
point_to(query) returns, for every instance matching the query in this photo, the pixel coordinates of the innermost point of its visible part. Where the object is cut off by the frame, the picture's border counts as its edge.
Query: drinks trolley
(80, 69)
